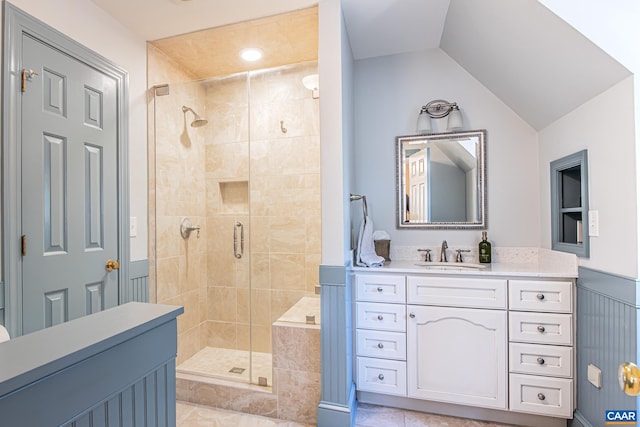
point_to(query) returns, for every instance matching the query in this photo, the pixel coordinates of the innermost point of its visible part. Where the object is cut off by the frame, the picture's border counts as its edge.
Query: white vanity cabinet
(541, 352)
(380, 337)
(457, 340)
(500, 342)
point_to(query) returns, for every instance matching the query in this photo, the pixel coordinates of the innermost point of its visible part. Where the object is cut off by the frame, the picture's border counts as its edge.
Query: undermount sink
(451, 265)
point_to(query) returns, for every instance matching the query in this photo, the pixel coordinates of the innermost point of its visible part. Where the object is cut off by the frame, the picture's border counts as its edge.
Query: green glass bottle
(484, 249)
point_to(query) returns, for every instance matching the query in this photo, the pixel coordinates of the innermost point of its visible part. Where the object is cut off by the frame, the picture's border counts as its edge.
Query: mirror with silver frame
(442, 180)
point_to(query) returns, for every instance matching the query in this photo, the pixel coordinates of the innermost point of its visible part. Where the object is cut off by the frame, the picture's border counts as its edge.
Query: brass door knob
(629, 378)
(111, 265)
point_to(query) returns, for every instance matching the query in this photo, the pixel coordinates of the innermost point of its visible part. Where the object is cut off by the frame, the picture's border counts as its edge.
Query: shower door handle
(235, 240)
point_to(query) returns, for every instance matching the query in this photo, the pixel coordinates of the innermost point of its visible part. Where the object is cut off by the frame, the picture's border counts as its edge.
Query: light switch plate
(594, 224)
(133, 226)
(594, 375)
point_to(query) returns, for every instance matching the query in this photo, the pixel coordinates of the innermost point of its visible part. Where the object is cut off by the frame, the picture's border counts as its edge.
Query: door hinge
(27, 75)
(24, 245)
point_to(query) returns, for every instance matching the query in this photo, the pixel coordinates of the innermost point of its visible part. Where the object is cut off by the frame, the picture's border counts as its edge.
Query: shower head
(197, 120)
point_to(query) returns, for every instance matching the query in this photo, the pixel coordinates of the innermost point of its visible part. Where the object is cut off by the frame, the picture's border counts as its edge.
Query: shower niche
(234, 197)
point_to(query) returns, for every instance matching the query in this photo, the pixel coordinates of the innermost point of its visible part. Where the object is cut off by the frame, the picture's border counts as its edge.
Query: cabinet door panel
(537, 295)
(380, 288)
(457, 355)
(543, 328)
(383, 317)
(387, 345)
(540, 395)
(549, 360)
(382, 376)
(457, 292)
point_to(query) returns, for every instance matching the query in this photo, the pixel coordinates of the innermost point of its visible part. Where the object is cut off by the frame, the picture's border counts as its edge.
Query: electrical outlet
(133, 226)
(594, 375)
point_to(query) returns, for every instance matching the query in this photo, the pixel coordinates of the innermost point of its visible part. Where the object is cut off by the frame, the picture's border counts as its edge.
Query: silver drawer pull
(380, 317)
(380, 289)
(540, 361)
(541, 396)
(540, 296)
(380, 345)
(381, 377)
(541, 328)
(413, 316)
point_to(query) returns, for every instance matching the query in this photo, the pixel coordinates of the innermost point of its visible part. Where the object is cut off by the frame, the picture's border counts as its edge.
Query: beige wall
(177, 185)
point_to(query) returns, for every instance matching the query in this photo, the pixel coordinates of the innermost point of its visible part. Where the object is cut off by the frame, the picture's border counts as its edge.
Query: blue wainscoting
(138, 287)
(2, 303)
(112, 368)
(607, 335)
(337, 406)
(145, 403)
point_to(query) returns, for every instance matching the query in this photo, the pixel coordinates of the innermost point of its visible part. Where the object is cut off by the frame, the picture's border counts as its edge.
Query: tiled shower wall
(278, 204)
(177, 183)
(212, 175)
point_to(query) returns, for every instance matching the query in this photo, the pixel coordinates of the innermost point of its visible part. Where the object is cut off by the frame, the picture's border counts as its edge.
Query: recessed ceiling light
(251, 54)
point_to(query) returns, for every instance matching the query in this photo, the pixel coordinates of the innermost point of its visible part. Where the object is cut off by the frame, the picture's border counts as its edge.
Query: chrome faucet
(443, 251)
(427, 254)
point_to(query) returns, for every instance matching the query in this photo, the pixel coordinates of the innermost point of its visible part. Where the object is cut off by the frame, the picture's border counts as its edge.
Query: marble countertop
(537, 263)
(494, 269)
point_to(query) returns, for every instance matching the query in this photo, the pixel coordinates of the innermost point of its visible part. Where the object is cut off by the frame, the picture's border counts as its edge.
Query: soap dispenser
(484, 249)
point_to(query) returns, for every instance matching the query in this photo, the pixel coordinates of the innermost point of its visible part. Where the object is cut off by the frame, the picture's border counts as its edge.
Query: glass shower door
(229, 323)
(284, 157)
(201, 173)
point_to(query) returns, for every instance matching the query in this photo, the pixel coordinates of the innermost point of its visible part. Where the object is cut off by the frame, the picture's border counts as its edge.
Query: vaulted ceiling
(536, 63)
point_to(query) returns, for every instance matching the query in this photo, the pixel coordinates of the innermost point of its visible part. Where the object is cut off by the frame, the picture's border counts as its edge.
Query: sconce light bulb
(454, 121)
(424, 123)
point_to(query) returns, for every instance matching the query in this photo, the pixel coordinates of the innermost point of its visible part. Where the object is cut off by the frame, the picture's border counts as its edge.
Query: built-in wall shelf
(569, 204)
(234, 197)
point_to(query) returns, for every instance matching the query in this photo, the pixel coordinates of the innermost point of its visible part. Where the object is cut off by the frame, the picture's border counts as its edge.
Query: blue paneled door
(69, 188)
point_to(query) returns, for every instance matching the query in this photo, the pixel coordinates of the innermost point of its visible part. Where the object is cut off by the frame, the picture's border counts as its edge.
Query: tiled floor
(190, 415)
(218, 363)
(380, 416)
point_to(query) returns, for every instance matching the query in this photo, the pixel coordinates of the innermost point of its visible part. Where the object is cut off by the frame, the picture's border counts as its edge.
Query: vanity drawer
(382, 376)
(388, 345)
(384, 317)
(543, 328)
(541, 359)
(554, 296)
(457, 292)
(380, 288)
(540, 395)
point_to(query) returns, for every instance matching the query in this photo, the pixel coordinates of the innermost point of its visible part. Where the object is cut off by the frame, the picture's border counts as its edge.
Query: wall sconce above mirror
(442, 180)
(438, 109)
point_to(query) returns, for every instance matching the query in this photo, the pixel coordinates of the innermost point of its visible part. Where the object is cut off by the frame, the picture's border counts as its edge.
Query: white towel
(366, 252)
(4, 335)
